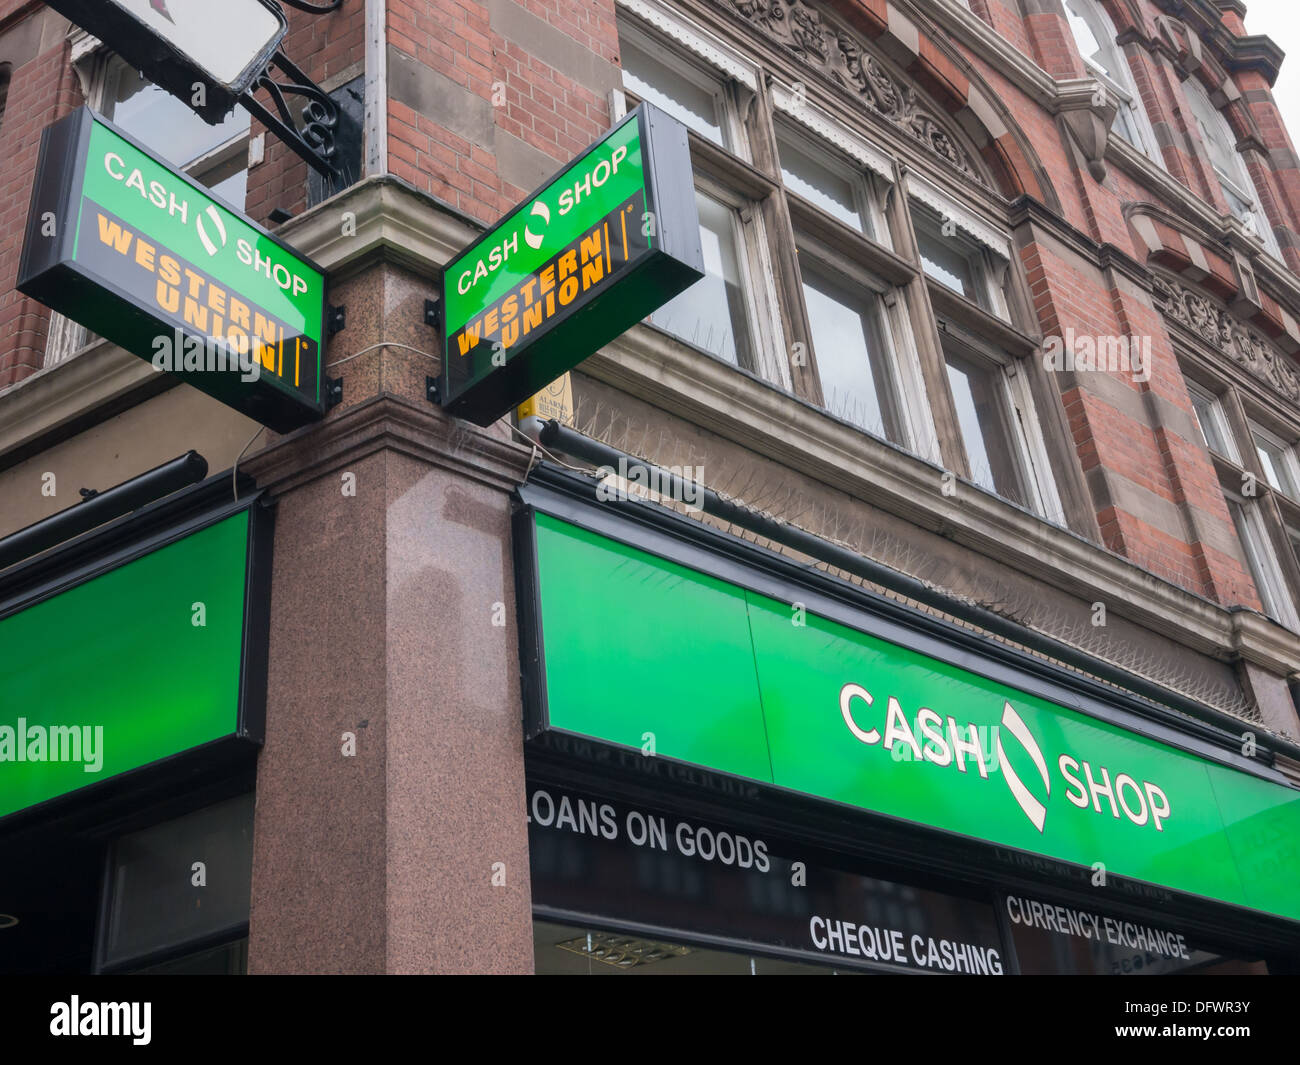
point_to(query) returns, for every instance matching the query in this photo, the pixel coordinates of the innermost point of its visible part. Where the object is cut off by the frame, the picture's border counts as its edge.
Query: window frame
(1275, 592)
(1219, 418)
(724, 173)
(1241, 184)
(1123, 88)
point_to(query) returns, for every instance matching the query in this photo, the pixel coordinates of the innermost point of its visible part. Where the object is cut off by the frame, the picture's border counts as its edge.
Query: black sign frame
(163, 62)
(49, 273)
(594, 318)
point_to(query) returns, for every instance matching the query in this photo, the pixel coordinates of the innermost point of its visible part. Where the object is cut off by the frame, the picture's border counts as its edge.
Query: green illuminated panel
(120, 659)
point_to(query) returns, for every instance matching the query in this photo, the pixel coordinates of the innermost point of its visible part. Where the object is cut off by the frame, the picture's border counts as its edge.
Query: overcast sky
(1280, 19)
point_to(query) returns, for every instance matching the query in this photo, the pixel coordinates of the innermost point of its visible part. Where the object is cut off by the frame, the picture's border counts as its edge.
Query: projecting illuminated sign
(146, 257)
(584, 258)
(203, 52)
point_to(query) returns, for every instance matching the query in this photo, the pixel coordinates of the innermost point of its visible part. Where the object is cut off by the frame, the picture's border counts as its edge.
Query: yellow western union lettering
(113, 234)
(470, 336)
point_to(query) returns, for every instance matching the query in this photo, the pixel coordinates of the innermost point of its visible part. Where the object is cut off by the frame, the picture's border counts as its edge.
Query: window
(730, 312)
(154, 915)
(989, 425)
(958, 262)
(1211, 422)
(1262, 563)
(688, 95)
(1234, 179)
(711, 313)
(1277, 461)
(215, 156)
(1255, 456)
(1094, 34)
(797, 211)
(856, 377)
(825, 184)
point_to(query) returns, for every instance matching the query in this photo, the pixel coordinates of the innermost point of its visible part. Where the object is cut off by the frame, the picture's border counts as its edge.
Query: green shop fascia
(676, 677)
(133, 666)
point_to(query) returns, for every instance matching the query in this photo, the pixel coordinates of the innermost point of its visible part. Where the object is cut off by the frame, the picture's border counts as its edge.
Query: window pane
(1262, 564)
(1208, 420)
(691, 105)
(855, 379)
(711, 313)
(819, 184)
(946, 259)
(161, 121)
(234, 189)
(1090, 47)
(1273, 459)
(983, 412)
(152, 902)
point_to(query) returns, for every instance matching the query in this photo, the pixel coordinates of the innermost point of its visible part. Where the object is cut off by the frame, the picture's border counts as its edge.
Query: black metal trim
(100, 507)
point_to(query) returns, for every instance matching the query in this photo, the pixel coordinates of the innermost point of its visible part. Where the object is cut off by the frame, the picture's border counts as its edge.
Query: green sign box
(115, 673)
(143, 255)
(585, 257)
(722, 677)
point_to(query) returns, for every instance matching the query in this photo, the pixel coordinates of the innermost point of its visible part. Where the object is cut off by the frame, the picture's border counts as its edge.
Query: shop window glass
(155, 904)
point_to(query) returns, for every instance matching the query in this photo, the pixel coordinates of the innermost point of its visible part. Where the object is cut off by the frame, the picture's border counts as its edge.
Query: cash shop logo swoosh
(1034, 810)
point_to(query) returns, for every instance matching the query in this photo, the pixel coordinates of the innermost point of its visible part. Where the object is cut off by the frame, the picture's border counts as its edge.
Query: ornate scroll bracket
(310, 132)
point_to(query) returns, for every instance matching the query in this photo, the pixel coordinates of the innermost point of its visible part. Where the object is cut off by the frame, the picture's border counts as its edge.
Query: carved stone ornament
(840, 55)
(1217, 327)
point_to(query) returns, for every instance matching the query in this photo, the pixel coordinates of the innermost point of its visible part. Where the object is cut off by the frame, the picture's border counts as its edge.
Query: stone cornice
(390, 220)
(51, 403)
(388, 422)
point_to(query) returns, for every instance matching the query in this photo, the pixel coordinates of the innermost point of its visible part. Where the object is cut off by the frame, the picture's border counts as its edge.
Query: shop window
(1095, 37)
(1212, 423)
(178, 893)
(1220, 145)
